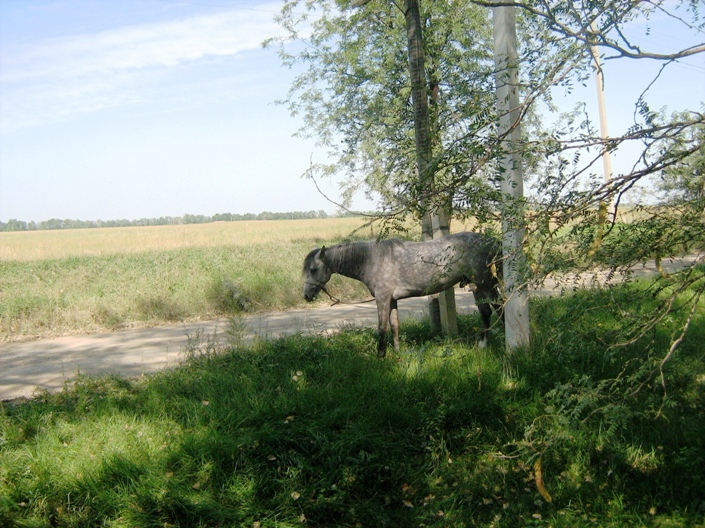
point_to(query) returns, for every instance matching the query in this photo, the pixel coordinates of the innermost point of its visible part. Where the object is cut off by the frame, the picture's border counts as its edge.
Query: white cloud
(52, 78)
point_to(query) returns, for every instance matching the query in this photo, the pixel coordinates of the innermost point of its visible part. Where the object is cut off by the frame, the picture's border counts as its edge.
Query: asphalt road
(48, 364)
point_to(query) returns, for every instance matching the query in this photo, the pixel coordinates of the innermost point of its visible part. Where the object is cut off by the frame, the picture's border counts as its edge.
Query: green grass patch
(580, 430)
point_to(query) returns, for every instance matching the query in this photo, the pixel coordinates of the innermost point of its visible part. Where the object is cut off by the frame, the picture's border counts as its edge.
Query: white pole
(516, 307)
(600, 82)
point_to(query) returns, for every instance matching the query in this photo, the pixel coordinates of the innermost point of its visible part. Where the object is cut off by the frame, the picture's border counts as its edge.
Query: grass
(59, 282)
(310, 431)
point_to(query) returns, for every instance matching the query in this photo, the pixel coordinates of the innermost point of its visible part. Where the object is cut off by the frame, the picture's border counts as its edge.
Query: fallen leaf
(295, 495)
(196, 486)
(407, 504)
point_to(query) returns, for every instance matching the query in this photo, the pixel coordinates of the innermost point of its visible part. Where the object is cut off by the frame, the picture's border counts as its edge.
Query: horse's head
(316, 274)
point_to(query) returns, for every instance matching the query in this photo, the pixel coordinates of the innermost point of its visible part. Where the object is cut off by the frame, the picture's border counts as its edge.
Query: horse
(396, 269)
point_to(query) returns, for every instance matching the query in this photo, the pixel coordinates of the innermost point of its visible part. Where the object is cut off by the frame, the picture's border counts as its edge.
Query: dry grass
(27, 246)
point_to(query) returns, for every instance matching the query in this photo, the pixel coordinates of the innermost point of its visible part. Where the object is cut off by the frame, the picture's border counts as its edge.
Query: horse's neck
(348, 259)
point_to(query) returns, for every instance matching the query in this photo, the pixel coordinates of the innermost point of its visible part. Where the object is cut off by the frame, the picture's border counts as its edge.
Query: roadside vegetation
(77, 281)
(581, 430)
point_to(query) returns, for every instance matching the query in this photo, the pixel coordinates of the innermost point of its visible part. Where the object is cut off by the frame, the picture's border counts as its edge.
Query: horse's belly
(404, 290)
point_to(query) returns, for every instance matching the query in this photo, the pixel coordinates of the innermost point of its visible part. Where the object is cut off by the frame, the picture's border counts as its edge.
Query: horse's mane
(350, 258)
(309, 259)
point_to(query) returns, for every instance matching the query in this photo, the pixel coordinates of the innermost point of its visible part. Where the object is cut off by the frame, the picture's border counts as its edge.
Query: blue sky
(148, 108)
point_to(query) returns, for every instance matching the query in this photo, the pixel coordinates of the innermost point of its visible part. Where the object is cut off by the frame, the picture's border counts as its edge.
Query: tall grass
(100, 279)
(307, 431)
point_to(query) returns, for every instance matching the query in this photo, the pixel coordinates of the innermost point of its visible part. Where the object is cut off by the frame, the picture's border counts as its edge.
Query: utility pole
(604, 134)
(516, 307)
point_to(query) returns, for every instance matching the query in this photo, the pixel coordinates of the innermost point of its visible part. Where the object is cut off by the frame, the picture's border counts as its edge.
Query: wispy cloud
(52, 78)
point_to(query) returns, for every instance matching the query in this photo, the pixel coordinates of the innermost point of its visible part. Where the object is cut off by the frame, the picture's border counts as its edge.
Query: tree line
(56, 223)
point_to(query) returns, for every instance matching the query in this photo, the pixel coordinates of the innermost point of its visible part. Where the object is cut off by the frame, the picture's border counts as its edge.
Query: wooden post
(446, 299)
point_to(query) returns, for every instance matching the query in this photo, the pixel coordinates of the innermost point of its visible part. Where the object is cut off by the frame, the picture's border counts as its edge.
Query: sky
(148, 108)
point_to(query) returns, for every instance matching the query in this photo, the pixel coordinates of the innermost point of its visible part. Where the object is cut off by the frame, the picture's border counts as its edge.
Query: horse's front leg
(383, 310)
(394, 323)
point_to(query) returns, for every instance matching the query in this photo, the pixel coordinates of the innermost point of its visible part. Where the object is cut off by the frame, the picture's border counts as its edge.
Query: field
(87, 280)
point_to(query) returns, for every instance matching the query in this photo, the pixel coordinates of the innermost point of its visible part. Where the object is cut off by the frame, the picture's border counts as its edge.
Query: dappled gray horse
(395, 269)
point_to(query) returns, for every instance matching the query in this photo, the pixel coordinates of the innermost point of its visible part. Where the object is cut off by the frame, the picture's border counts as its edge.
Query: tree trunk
(442, 307)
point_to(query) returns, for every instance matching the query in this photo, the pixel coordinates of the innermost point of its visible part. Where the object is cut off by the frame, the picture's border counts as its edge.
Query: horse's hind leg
(485, 314)
(394, 323)
(383, 319)
(486, 298)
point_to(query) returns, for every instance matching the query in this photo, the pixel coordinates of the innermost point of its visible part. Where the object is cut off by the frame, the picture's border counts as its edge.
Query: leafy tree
(684, 181)
(354, 92)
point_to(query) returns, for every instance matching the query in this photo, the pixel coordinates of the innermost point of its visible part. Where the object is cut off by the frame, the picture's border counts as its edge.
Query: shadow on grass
(319, 432)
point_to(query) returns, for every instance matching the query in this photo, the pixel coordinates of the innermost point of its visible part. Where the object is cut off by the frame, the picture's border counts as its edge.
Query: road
(48, 364)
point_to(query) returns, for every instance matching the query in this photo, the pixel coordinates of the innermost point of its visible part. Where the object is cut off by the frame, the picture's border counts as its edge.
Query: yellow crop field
(27, 246)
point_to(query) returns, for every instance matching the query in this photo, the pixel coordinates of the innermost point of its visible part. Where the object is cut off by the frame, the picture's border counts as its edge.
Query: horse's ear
(320, 253)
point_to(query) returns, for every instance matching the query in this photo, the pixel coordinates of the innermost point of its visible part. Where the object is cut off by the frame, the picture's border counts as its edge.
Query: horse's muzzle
(311, 290)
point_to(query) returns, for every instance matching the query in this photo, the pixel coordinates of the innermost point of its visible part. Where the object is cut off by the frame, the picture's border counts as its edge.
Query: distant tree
(15, 225)
(53, 223)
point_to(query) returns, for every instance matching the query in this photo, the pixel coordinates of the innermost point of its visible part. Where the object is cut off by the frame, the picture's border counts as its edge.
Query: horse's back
(410, 269)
